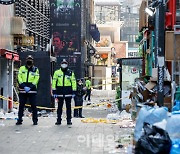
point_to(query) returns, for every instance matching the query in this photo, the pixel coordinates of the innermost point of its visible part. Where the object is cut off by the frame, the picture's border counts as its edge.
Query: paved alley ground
(47, 138)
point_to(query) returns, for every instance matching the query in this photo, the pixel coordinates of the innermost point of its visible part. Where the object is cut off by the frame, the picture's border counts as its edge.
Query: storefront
(7, 56)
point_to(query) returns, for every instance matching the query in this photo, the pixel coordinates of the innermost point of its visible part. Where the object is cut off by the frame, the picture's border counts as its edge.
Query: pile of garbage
(122, 119)
(145, 90)
(157, 131)
(8, 116)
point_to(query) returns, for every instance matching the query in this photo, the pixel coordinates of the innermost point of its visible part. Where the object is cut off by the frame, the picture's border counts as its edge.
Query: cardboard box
(150, 85)
(169, 45)
(146, 95)
(167, 100)
(168, 103)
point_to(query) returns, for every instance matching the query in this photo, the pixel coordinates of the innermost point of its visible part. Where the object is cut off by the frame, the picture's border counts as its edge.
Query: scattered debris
(119, 146)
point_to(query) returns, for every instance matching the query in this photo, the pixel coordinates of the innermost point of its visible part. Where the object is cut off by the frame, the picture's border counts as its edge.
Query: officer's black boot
(19, 122)
(76, 113)
(69, 122)
(35, 123)
(58, 122)
(80, 113)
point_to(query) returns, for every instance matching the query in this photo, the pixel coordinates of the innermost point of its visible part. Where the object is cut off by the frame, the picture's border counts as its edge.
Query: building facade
(7, 55)
(130, 16)
(25, 28)
(109, 48)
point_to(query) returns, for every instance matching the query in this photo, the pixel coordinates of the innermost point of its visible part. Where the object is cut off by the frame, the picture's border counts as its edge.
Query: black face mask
(29, 63)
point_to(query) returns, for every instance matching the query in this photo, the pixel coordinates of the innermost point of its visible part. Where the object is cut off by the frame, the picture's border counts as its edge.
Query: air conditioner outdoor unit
(18, 25)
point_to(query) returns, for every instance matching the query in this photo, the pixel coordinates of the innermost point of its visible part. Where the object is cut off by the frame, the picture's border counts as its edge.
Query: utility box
(172, 42)
(42, 60)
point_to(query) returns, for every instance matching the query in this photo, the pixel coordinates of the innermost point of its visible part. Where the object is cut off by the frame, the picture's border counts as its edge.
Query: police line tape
(74, 107)
(100, 78)
(109, 83)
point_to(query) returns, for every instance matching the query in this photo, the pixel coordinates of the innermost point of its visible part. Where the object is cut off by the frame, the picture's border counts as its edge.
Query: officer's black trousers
(88, 94)
(78, 102)
(32, 100)
(68, 108)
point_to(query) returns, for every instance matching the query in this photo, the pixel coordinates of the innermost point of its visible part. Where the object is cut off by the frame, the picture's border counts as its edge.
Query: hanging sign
(7, 2)
(23, 40)
(27, 41)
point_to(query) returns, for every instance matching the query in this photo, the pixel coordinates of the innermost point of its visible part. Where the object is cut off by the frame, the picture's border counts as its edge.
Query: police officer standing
(64, 87)
(88, 87)
(79, 99)
(28, 78)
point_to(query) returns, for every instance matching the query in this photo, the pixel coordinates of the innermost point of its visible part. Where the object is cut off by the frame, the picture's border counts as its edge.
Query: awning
(9, 55)
(94, 32)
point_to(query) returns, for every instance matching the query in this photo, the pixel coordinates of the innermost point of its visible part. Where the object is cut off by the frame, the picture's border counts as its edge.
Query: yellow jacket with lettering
(28, 77)
(64, 83)
(88, 84)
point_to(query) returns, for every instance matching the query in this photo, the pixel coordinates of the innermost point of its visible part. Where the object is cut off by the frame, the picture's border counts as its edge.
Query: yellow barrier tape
(109, 83)
(74, 107)
(101, 78)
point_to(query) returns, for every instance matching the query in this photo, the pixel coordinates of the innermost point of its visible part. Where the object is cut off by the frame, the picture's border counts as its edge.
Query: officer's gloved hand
(55, 95)
(32, 86)
(73, 94)
(27, 89)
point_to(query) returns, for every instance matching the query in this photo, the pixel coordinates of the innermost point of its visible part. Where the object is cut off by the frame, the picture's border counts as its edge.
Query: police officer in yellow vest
(28, 78)
(88, 87)
(64, 88)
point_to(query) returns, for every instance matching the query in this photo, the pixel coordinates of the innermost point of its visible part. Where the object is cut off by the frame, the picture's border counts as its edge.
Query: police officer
(28, 78)
(79, 99)
(88, 87)
(64, 87)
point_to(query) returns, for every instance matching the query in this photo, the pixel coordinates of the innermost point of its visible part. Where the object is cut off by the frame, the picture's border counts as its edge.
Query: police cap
(64, 61)
(29, 57)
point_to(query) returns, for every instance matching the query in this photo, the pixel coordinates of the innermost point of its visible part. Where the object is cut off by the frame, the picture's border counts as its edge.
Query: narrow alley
(80, 138)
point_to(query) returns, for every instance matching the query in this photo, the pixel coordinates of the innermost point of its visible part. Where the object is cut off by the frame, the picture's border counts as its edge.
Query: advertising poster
(66, 32)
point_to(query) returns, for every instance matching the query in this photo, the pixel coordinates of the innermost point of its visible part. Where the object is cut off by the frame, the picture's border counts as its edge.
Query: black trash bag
(154, 141)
